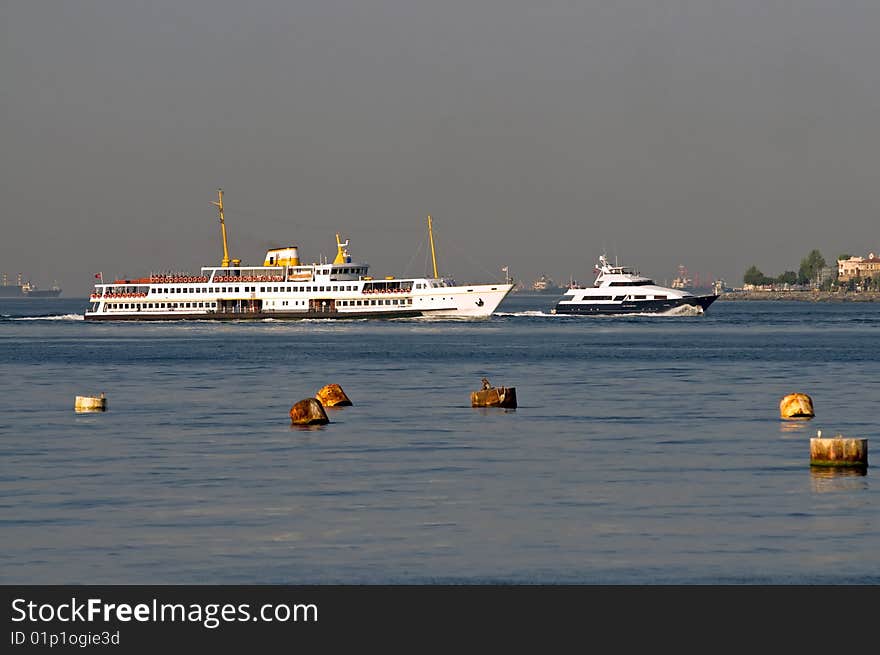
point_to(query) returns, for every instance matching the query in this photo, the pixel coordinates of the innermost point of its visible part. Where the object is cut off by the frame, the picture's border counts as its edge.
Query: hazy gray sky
(711, 133)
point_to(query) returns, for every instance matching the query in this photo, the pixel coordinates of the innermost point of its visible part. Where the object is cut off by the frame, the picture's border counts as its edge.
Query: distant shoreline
(802, 296)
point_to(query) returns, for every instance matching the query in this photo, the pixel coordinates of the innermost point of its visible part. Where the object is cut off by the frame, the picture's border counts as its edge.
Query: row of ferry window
(160, 305)
(373, 303)
(195, 305)
(619, 298)
(334, 287)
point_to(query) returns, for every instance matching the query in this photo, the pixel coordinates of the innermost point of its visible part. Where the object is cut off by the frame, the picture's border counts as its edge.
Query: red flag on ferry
(99, 275)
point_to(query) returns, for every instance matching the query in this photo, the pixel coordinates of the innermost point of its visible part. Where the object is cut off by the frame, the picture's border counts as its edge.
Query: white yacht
(284, 288)
(621, 290)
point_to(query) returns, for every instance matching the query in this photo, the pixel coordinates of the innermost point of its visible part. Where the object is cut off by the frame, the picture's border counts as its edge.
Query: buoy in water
(308, 411)
(490, 396)
(838, 451)
(332, 395)
(90, 403)
(796, 406)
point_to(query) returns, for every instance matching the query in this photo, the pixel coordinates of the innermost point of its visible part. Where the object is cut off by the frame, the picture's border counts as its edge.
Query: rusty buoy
(838, 451)
(332, 395)
(308, 411)
(90, 403)
(490, 396)
(796, 406)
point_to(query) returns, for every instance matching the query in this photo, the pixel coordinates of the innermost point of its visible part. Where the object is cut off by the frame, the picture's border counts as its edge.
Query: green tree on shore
(755, 276)
(789, 277)
(811, 266)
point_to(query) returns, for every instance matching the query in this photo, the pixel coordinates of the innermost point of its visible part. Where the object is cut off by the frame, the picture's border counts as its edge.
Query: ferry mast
(219, 204)
(431, 239)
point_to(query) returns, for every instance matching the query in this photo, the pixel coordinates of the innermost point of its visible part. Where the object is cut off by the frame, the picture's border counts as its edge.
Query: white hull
(478, 301)
(223, 301)
(668, 306)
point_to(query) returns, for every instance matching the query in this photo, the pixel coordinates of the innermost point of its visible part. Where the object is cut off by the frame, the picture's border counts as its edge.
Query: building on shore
(858, 267)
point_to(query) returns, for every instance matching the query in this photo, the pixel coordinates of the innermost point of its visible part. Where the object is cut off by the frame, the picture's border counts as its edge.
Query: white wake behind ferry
(621, 290)
(284, 288)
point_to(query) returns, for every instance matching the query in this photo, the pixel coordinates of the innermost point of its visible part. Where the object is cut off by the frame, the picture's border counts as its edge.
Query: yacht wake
(684, 310)
(526, 313)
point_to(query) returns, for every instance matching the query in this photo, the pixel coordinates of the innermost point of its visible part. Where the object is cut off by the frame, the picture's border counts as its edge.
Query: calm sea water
(644, 449)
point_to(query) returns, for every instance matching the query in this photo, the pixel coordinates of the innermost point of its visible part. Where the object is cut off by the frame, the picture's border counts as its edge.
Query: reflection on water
(316, 427)
(490, 411)
(824, 479)
(794, 426)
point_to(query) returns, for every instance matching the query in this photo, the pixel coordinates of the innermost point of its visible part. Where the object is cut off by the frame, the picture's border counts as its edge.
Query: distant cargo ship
(545, 284)
(11, 290)
(27, 289)
(32, 291)
(682, 280)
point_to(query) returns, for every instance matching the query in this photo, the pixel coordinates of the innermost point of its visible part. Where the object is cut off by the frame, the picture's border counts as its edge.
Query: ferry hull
(470, 302)
(250, 316)
(634, 306)
(479, 301)
(281, 316)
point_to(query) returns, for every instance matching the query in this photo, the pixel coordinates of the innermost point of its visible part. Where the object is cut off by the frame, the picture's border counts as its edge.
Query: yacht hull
(634, 306)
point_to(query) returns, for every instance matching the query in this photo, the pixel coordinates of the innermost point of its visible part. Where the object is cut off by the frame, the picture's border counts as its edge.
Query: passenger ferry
(621, 290)
(285, 288)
